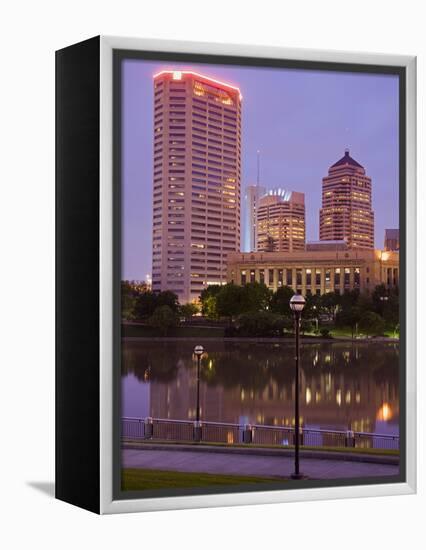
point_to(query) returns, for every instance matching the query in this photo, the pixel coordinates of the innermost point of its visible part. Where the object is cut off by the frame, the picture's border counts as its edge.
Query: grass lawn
(340, 331)
(140, 479)
(347, 332)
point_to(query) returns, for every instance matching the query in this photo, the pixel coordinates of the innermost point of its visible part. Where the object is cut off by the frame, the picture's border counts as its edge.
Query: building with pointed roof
(346, 212)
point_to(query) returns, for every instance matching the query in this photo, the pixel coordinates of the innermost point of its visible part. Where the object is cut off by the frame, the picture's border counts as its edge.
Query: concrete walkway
(247, 464)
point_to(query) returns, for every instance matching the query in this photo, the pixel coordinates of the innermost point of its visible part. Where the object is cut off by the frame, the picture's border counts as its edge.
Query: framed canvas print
(235, 243)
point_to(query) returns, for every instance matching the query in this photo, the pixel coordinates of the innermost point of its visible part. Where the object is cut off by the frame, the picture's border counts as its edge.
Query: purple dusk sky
(300, 120)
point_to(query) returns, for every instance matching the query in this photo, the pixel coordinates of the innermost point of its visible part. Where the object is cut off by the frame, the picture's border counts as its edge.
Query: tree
(364, 303)
(348, 317)
(168, 298)
(188, 310)
(208, 298)
(163, 318)
(260, 323)
(379, 297)
(130, 291)
(256, 297)
(312, 308)
(349, 298)
(329, 303)
(145, 305)
(391, 311)
(386, 303)
(128, 300)
(305, 326)
(371, 323)
(280, 301)
(230, 301)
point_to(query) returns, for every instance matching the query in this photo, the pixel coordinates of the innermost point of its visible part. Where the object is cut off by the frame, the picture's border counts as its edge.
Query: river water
(344, 385)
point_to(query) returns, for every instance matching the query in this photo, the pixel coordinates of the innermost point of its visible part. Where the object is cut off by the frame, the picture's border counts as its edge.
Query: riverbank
(188, 332)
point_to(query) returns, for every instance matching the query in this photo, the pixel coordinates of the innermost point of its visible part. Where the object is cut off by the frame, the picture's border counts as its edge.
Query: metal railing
(222, 432)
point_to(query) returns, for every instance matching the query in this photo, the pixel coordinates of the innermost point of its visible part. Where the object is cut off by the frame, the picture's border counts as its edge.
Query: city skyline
(294, 143)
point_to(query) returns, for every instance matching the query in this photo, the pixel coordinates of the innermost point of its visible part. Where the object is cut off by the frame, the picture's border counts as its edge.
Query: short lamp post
(297, 303)
(198, 352)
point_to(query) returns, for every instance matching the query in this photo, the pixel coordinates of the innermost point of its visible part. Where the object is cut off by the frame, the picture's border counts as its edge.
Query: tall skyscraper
(346, 212)
(281, 221)
(197, 181)
(251, 199)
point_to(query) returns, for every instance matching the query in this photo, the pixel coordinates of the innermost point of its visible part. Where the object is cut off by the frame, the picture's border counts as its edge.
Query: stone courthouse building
(328, 267)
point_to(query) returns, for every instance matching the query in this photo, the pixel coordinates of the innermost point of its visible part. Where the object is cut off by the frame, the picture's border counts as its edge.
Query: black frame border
(77, 399)
(120, 55)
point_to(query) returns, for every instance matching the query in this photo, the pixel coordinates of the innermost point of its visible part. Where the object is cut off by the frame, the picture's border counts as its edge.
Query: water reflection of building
(333, 395)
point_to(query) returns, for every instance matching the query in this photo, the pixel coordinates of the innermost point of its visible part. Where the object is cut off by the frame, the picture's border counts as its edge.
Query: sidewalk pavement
(249, 464)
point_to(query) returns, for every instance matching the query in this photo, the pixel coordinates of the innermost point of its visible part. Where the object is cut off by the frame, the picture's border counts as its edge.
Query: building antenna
(258, 168)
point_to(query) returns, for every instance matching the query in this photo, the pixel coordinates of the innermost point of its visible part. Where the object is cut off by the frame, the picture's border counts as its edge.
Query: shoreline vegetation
(137, 331)
(255, 311)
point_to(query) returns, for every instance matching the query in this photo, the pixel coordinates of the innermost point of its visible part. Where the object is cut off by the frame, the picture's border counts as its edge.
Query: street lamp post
(198, 352)
(297, 303)
(316, 317)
